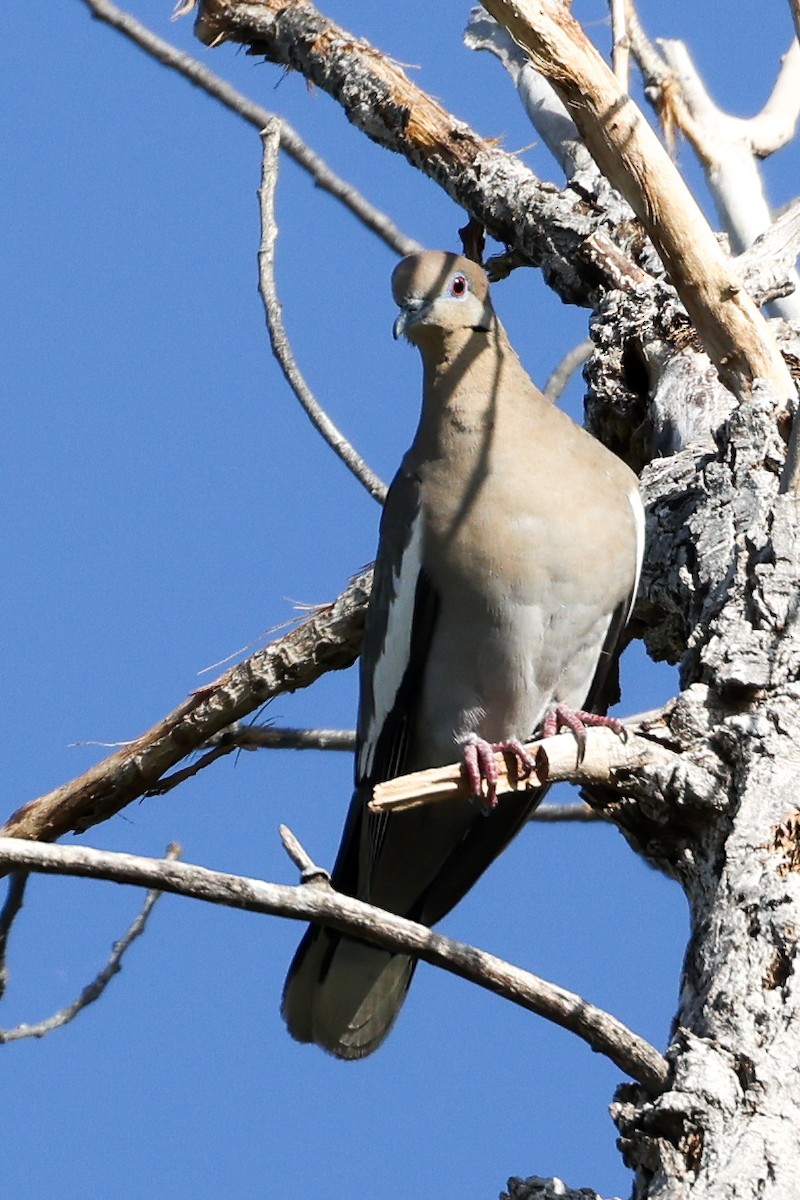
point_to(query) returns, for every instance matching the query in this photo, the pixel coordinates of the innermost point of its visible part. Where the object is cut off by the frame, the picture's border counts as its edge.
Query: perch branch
(606, 757)
(95, 989)
(199, 75)
(277, 331)
(603, 1032)
(328, 640)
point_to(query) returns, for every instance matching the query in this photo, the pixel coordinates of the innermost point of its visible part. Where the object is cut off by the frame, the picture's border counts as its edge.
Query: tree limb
(606, 757)
(277, 331)
(729, 148)
(549, 227)
(329, 640)
(620, 43)
(198, 74)
(319, 903)
(630, 155)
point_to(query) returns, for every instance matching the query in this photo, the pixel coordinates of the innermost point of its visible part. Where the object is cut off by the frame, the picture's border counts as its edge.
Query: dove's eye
(458, 286)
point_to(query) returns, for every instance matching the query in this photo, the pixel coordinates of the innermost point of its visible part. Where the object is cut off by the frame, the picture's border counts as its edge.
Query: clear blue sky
(165, 504)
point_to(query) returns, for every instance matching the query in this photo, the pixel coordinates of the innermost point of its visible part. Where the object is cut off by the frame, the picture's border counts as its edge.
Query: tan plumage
(508, 559)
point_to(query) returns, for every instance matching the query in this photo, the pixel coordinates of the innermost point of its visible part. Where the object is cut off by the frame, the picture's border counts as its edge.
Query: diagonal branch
(546, 225)
(312, 902)
(329, 640)
(277, 331)
(198, 74)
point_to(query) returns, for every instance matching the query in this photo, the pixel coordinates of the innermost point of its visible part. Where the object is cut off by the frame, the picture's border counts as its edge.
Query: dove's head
(439, 291)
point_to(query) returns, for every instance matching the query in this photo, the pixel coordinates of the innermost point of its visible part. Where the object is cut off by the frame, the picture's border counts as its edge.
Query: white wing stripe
(395, 651)
(637, 508)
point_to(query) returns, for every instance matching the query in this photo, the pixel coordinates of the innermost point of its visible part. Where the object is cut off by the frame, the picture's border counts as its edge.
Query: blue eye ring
(459, 286)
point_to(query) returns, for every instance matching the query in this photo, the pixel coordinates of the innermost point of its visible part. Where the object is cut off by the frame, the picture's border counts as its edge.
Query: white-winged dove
(508, 562)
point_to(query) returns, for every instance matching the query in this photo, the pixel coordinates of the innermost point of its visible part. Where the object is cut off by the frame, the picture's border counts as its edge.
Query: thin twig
(277, 333)
(198, 74)
(563, 372)
(309, 871)
(277, 737)
(95, 989)
(178, 777)
(12, 905)
(603, 1032)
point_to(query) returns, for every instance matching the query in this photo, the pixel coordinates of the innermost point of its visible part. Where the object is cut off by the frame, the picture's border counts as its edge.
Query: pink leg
(480, 765)
(577, 721)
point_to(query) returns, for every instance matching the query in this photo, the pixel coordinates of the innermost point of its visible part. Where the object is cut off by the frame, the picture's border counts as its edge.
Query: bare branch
(725, 145)
(13, 903)
(560, 377)
(547, 114)
(629, 153)
(95, 989)
(603, 1032)
(776, 124)
(277, 332)
(729, 147)
(329, 640)
(516, 208)
(309, 871)
(198, 74)
(278, 737)
(567, 814)
(606, 757)
(176, 778)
